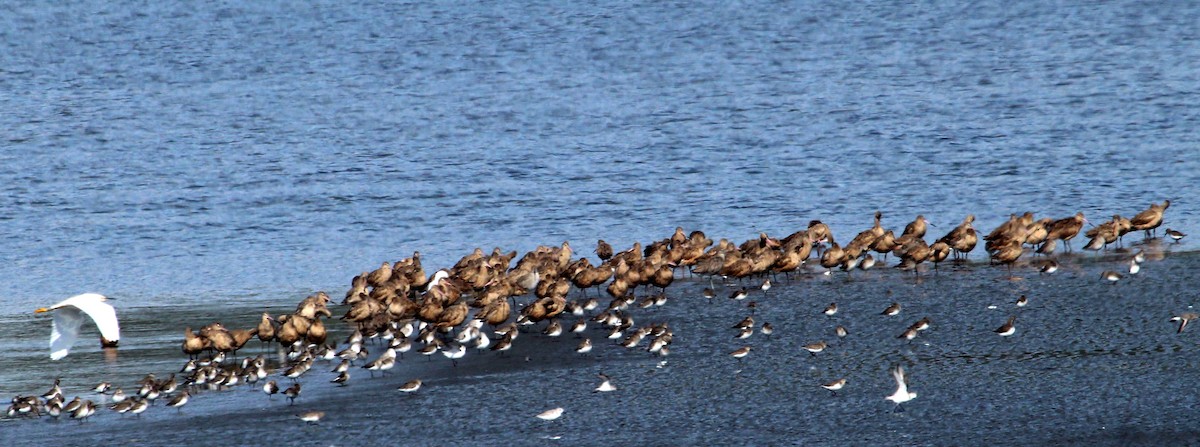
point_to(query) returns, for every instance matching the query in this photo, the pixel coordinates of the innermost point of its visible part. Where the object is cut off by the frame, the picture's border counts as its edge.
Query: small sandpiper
(410, 386)
(739, 294)
(1022, 301)
(102, 388)
(747, 322)
(891, 310)
(740, 352)
(311, 417)
(1134, 267)
(710, 293)
(179, 400)
(1175, 235)
(831, 309)
(1111, 276)
(341, 379)
(554, 329)
(1139, 257)
(835, 385)
(551, 414)
(270, 388)
(840, 331)
(767, 329)
(766, 285)
(909, 333)
(1048, 267)
(292, 393)
(1008, 328)
(814, 348)
(744, 333)
(584, 347)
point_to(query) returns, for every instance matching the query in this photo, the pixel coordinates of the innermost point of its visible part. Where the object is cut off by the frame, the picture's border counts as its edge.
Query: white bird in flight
(901, 395)
(68, 318)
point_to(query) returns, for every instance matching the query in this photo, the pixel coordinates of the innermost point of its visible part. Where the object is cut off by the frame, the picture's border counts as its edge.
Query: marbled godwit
(1066, 229)
(1150, 219)
(963, 237)
(832, 257)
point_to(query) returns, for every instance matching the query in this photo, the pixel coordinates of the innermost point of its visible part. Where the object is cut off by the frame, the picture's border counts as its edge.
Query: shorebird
(840, 331)
(69, 316)
(1175, 235)
(139, 406)
(1008, 328)
(1022, 301)
(831, 309)
(834, 386)
(102, 388)
(270, 388)
(744, 333)
(902, 394)
(604, 386)
(1110, 276)
(1049, 266)
(551, 414)
(814, 348)
(909, 333)
(739, 294)
(891, 310)
(311, 417)
(292, 393)
(410, 386)
(767, 329)
(1134, 267)
(1183, 320)
(1150, 219)
(342, 378)
(740, 352)
(179, 401)
(584, 347)
(766, 285)
(709, 293)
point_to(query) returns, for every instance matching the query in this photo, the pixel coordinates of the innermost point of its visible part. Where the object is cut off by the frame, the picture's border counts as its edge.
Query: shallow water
(210, 162)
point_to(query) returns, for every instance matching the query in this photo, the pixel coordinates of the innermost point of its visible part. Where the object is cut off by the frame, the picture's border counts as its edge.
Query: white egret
(69, 315)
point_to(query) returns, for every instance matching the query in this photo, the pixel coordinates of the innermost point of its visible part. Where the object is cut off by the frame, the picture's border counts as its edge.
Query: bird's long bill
(41, 310)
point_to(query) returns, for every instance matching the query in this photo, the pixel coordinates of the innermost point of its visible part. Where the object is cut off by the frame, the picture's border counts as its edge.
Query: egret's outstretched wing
(103, 315)
(64, 330)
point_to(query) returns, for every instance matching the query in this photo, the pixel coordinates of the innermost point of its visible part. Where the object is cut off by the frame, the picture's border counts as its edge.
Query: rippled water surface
(211, 161)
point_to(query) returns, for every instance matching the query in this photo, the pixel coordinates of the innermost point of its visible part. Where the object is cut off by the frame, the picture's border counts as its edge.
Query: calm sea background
(219, 155)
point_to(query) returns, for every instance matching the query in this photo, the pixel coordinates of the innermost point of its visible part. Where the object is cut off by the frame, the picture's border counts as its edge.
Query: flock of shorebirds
(473, 305)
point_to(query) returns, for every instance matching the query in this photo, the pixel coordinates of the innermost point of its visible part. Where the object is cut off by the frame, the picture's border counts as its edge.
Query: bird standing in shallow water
(1008, 328)
(834, 386)
(551, 414)
(1175, 235)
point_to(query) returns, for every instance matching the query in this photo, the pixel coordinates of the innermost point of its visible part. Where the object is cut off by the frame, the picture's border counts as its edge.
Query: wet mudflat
(1090, 362)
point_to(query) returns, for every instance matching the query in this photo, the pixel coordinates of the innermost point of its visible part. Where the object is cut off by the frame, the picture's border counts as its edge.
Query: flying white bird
(901, 395)
(69, 315)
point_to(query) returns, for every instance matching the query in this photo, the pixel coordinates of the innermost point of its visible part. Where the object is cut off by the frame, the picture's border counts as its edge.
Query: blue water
(205, 154)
